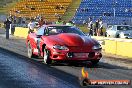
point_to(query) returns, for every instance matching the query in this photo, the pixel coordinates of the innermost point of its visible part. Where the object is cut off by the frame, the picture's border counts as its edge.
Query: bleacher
(45, 8)
(111, 11)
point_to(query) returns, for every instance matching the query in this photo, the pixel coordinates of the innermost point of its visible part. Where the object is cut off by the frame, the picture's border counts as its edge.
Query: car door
(36, 39)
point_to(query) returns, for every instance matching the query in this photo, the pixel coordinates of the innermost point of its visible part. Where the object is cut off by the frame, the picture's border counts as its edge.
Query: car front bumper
(69, 56)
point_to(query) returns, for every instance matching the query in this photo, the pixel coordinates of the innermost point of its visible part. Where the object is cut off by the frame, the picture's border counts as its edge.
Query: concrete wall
(21, 32)
(122, 48)
(110, 46)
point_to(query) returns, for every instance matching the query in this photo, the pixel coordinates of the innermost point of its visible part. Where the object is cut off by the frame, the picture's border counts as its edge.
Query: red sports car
(63, 43)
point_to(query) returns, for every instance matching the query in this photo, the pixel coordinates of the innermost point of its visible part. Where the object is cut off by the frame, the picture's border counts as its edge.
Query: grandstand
(46, 8)
(111, 11)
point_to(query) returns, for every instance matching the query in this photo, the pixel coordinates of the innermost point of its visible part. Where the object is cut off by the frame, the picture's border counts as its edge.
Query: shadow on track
(90, 65)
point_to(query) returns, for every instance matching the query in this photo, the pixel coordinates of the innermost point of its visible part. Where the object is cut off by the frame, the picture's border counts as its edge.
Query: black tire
(46, 57)
(106, 34)
(30, 52)
(118, 36)
(95, 62)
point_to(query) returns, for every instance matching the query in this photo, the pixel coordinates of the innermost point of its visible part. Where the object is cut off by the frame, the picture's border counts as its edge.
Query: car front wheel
(47, 59)
(30, 53)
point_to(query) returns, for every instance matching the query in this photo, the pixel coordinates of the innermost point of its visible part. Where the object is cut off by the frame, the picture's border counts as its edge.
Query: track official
(7, 27)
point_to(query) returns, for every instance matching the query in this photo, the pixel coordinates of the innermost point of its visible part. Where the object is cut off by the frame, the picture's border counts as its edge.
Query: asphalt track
(17, 71)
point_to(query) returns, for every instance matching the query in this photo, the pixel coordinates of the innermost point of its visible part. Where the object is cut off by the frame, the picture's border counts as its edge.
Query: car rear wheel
(47, 59)
(118, 36)
(95, 62)
(106, 34)
(30, 52)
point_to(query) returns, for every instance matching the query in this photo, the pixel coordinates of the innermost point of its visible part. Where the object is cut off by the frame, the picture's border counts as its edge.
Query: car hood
(70, 39)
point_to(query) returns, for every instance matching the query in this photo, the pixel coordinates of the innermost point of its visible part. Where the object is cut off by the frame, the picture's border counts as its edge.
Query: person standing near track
(7, 24)
(97, 28)
(90, 27)
(31, 26)
(59, 22)
(41, 22)
(100, 27)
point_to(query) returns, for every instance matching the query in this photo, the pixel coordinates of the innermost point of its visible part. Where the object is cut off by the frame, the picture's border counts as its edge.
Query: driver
(55, 31)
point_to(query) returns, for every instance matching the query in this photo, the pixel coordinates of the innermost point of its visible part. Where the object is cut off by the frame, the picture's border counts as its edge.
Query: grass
(5, 7)
(2, 10)
(71, 10)
(83, 28)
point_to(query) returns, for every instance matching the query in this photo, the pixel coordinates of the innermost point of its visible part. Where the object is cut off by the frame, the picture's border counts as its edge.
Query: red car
(62, 44)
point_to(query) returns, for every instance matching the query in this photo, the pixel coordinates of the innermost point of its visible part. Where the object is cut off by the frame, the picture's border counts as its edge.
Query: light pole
(131, 17)
(114, 6)
(114, 11)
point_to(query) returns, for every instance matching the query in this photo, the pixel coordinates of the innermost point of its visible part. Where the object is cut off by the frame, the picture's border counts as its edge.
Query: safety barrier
(1, 25)
(124, 48)
(110, 46)
(116, 46)
(21, 32)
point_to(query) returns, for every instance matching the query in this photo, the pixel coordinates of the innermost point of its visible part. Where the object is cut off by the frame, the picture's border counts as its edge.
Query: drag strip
(20, 72)
(14, 56)
(102, 71)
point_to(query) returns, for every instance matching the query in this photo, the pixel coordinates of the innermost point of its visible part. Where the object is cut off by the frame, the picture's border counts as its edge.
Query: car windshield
(54, 30)
(124, 28)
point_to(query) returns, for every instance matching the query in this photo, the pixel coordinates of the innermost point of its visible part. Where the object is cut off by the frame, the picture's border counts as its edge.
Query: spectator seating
(46, 8)
(111, 11)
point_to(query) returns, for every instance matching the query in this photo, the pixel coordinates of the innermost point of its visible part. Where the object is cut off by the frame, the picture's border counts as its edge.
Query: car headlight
(60, 47)
(96, 47)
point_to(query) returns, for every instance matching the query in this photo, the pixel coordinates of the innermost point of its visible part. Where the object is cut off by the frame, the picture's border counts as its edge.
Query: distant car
(119, 31)
(63, 44)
